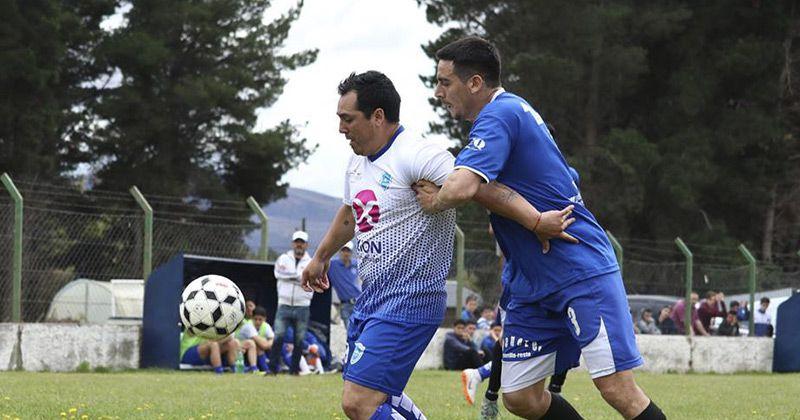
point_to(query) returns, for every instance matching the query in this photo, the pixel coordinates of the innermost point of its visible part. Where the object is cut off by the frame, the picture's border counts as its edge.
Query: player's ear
(475, 83)
(378, 116)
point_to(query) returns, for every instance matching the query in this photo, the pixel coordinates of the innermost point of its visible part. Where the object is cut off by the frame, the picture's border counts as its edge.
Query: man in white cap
(293, 302)
(343, 275)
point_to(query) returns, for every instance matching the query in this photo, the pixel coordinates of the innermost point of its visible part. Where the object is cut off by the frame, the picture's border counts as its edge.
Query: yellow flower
(73, 410)
(63, 414)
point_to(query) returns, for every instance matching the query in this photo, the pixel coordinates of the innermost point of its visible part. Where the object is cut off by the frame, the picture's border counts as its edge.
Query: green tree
(48, 78)
(192, 76)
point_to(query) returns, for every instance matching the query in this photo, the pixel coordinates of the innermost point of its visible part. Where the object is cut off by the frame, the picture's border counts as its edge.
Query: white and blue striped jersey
(404, 254)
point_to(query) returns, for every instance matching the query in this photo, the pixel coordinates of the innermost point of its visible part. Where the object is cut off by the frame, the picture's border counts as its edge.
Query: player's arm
(464, 185)
(263, 343)
(341, 230)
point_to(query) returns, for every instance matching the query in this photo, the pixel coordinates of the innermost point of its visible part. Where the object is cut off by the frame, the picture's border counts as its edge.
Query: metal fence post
(263, 249)
(751, 261)
(147, 251)
(460, 274)
(618, 250)
(687, 320)
(16, 286)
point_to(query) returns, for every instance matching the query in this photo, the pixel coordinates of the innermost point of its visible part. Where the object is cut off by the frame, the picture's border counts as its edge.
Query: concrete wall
(661, 353)
(63, 347)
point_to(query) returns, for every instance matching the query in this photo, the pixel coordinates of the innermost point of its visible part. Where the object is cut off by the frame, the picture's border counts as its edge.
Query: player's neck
(384, 135)
(483, 98)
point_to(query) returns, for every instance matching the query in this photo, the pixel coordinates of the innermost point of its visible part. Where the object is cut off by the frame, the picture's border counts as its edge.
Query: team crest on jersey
(386, 180)
(476, 143)
(367, 211)
(358, 351)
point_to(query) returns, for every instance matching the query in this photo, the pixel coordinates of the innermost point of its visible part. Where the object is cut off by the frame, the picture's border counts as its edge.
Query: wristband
(539, 219)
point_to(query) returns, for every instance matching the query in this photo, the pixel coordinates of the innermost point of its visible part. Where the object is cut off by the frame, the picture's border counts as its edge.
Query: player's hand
(315, 276)
(553, 225)
(426, 193)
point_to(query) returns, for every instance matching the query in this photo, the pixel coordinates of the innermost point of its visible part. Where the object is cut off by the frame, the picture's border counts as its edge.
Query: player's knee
(615, 388)
(353, 409)
(525, 404)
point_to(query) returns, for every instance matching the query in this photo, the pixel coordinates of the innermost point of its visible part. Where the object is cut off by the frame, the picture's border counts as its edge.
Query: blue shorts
(192, 357)
(382, 354)
(590, 318)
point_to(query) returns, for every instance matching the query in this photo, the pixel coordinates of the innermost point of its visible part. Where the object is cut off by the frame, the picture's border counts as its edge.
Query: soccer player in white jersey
(573, 297)
(405, 253)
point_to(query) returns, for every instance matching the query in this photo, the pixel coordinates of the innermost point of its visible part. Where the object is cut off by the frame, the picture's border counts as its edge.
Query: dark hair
(470, 322)
(471, 298)
(647, 311)
(473, 55)
(260, 311)
(710, 294)
(459, 322)
(373, 90)
(487, 308)
(734, 303)
(765, 300)
(732, 313)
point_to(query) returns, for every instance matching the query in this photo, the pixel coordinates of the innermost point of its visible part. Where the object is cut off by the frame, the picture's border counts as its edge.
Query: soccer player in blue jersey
(405, 254)
(572, 296)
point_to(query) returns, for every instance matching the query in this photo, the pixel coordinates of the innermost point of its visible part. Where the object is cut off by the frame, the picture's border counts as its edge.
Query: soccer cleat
(489, 410)
(470, 379)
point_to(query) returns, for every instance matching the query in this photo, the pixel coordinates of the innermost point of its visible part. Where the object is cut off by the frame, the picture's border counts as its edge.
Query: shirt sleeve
(347, 199)
(488, 148)
(432, 163)
(284, 269)
(270, 334)
(247, 332)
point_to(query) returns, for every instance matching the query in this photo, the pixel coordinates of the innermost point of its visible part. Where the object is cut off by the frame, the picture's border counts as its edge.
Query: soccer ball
(211, 307)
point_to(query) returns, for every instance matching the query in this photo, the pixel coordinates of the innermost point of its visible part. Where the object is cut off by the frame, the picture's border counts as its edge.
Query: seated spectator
(711, 307)
(730, 325)
(763, 322)
(197, 351)
(742, 313)
(459, 351)
(679, 312)
(633, 319)
(249, 306)
(258, 335)
(647, 325)
(495, 334)
(664, 323)
(486, 319)
(314, 354)
(468, 314)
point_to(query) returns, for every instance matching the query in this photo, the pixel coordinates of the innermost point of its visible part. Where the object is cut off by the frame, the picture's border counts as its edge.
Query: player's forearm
(504, 201)
(340, 231)
(459, 188)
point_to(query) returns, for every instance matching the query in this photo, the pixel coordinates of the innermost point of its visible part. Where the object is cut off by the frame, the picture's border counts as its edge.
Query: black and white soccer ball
(212, 307)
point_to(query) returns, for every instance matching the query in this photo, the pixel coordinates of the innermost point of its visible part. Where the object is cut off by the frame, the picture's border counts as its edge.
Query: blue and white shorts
(381, 354)
(547, 337)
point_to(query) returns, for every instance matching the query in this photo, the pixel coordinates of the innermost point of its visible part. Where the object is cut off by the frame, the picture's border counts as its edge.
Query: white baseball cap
(300, 236)
(348, 245)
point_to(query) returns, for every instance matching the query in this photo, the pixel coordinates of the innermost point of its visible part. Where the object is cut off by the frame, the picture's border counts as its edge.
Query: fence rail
(69, 233)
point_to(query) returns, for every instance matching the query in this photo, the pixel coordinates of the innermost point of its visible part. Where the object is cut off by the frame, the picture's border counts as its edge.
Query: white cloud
(354, 35)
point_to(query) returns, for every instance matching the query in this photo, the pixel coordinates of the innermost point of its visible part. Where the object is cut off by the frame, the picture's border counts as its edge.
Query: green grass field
(202, 395)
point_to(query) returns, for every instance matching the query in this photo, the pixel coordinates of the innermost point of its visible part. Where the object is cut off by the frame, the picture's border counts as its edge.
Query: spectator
(459, 351)
(742, 313)
(196, 351)
(260, 334)
(495, 333)
(763, 322)
(314, 353)
(249, 306)
(486, 319)
(678, 314)
(711, 307)
(633, 319)
(664, 323)
(293, 302)
(468, 314)
(647, 325)
(730, 325)
(343, 275)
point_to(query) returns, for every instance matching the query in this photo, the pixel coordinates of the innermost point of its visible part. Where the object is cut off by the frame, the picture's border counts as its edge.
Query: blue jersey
(510, 143)
(344, 279)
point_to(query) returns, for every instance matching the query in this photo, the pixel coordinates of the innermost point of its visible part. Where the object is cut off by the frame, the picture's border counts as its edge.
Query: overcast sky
(351, 35)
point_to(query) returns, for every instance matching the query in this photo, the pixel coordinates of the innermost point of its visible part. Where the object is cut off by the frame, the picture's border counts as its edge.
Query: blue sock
(219, 370)
(485, 371)
(404, 406)
(385, 412)
(261, 362)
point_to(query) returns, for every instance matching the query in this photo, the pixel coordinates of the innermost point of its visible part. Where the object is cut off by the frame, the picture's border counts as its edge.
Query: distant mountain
(286, 215)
